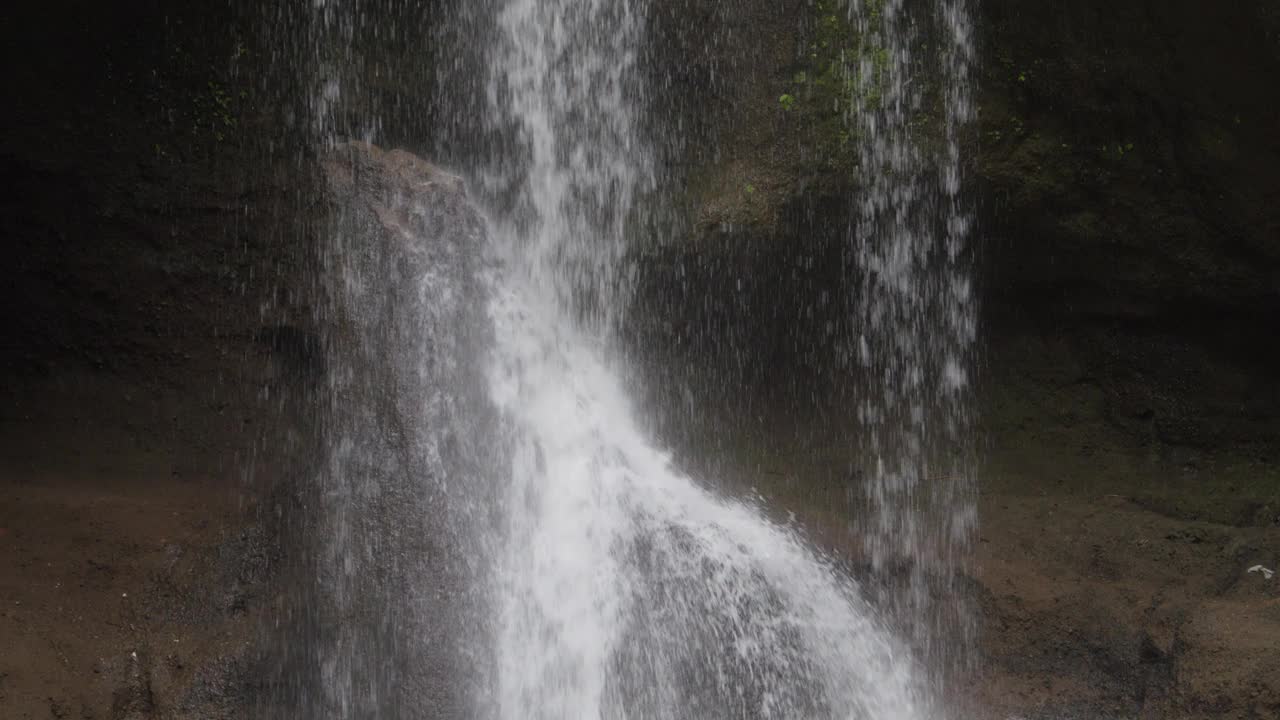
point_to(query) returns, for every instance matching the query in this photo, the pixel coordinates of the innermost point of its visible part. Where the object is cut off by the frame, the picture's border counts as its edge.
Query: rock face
(1127, 168)
(1126, 164)
(1129, 147)
(1130, 171)
(1129, 252)
(394, 596)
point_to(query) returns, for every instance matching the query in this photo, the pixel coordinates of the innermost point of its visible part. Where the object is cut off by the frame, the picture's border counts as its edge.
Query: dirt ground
(99, 618)
(119, 577)
(1114, 560)
(1098, 607)
(132, 555)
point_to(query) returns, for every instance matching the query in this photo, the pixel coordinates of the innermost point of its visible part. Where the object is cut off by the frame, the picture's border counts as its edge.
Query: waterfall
(500, 536)
(916, 307)
(625, 589)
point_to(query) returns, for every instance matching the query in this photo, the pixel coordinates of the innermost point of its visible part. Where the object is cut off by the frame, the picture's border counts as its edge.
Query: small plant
(213, 111)
(787, 101)
(1120, 149)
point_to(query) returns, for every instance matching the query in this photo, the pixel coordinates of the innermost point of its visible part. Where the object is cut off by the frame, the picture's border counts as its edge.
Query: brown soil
(1095, 606)
(131, 564)
(97, 578)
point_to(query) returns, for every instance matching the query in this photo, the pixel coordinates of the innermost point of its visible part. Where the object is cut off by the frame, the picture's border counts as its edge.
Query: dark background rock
(1130, 166)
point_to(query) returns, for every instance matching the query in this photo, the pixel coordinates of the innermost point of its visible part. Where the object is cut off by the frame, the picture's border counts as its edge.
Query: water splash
(628, 591)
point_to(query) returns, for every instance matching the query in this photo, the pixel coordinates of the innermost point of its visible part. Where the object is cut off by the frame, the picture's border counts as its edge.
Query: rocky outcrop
(384, 574)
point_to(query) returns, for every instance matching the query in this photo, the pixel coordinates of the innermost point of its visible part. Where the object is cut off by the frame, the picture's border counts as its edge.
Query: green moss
(801, 125)
(201, 101)
(829, 83)
(213, 112)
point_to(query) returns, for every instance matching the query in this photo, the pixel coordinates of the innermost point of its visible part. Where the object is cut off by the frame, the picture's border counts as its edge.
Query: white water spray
(625, 589)
(617, 587)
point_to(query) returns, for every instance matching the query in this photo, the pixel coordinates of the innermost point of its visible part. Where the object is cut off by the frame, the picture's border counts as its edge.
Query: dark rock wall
(1132, 146)
(1130, 173)
(1126, 172)
(128, 170)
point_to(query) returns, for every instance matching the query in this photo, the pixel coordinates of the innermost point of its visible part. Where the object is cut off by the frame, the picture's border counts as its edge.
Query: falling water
(492, 501)
(916, 306)
(626, 590)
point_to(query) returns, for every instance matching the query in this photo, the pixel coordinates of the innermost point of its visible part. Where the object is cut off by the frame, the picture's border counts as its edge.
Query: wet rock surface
(377, 605)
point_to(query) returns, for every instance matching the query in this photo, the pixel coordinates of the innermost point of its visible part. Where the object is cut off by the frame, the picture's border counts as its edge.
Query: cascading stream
(625, 589)
(611, 585)
(628, 591)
